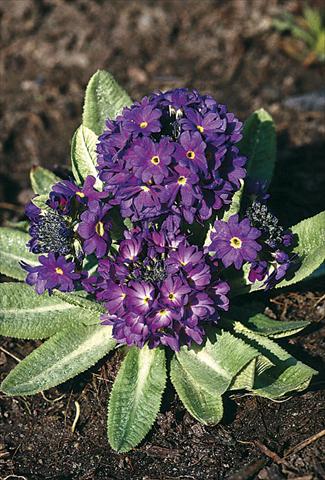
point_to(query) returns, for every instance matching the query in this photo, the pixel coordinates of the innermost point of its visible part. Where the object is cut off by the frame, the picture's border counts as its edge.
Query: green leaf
(104, 99)
(259, 145)
(24, 314)
(214, 366)
(203, 406)
(40, 202)
(263, 325)
(245, 378)
(68, 353)
(13, 250)
(83, 155)
(235, 203)
(42, 180)
(311, 247)
(136, 397)
(287, 374)
(79, 299)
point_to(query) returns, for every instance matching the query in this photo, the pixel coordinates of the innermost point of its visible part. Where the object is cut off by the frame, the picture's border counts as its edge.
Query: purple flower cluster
(73, 214)
(158, 289)
(258, 240)
(172, 152)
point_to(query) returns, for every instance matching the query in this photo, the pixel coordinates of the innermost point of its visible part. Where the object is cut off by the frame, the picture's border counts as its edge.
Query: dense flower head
(172, 152)
(158, 289)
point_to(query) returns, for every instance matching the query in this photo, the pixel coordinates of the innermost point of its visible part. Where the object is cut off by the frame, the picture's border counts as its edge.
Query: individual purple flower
(140, 296)
(142, 120)
(129, 329)
(190, 152)
(234, 242)
(94, 229)
(181, 185)
(53, 272)
(149, 160)
(208, 123)
(173, 292)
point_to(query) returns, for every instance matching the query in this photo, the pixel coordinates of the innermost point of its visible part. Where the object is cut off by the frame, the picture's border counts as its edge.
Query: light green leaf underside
(287, 374)
(68, 353)
(214, 366)
(136, 396)
(83, 154)
(42, 180)
(104, 99)
(13, 250)
(311, 247)
(203, 406)
(25, 314)
(259, 145)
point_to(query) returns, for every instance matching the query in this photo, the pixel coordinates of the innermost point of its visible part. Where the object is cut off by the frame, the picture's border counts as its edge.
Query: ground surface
(229, 49)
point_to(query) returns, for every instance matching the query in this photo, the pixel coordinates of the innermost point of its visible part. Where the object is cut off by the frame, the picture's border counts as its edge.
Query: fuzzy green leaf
(104, 99)
(13, 250)
(214, 366)
(203, 406)
(68, 353)
(42, 180)
(311, 247)
(245, 378)
(235, 203)
(24, 314)
(83, 154)
(287, 374)
(263, 325)
(259, 145)
(136, 397)
(78, 299)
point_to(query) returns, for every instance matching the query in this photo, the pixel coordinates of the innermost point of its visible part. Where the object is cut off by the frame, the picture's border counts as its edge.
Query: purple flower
(234, 242)
(149, 160)
(94, 229)
(140, 296)
(54, 272)
(258, 271)
(209, 123)
(142, 119)
(191, 152)
(65, 191)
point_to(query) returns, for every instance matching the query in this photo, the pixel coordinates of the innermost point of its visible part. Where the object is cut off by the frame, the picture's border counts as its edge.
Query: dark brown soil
(49, 49)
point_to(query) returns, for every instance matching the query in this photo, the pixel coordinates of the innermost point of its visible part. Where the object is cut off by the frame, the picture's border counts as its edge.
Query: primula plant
(151, 245)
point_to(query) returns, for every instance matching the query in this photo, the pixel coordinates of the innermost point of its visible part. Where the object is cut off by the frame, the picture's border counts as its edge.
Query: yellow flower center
(146, 299)
(171, 296)
(235, 242)
(100, 229)
(144, 188)
(163, 313)
(59, 271)
(190, 154)
(182, 180)
(200, 128)
(80, 194)
(155, 160)
(143, 124)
